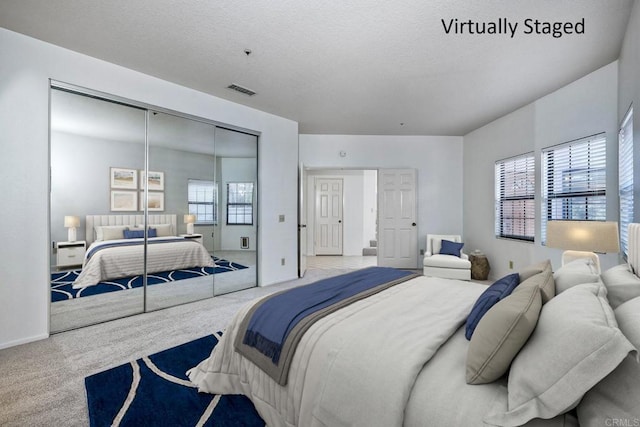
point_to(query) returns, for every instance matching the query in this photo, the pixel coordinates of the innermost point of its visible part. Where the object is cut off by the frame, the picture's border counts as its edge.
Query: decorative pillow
(534, 269)
(616, 396)
(501, 333)
(496, 292)
(576, 272)
(152, 232)
(110, 232)
(622, 285)
(450, 248)
(575, 344)
(163, 230)
(544, 280)
(133, 234)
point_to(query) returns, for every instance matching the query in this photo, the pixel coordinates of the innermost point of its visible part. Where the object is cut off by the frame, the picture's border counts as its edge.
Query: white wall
(629, 92)
(582, 108)
(438, 160)
(27, 66)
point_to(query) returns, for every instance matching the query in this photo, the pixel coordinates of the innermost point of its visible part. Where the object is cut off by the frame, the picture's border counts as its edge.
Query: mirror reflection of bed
(95, 143)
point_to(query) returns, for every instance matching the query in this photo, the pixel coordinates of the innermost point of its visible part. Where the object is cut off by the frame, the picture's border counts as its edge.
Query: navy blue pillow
(133, 234)
(499, 290)
(450, 248)
(153, 232)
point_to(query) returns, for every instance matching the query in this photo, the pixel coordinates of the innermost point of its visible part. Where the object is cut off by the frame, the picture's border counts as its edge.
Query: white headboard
(634, 248)
(97, 220)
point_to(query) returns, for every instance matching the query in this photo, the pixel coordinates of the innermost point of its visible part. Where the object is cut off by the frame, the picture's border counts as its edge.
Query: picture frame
(123, 179)
(123, 201)
(155, 203)
(155, 180)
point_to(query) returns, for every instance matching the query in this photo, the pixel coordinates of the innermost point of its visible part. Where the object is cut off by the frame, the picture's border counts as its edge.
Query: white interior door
(302, 222)
(397, 212)
(328, 216)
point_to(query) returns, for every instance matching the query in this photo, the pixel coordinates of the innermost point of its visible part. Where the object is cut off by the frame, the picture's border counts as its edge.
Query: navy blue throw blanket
(277, 316)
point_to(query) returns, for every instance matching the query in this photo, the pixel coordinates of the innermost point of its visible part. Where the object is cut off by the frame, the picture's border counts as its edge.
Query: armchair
(442, 265)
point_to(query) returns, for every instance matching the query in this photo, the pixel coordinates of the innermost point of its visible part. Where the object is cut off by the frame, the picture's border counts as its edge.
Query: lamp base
(71, 235)
(190, 228)
(568, 256)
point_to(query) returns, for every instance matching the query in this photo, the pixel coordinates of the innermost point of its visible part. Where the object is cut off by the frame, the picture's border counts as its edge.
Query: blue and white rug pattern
(62, 282)
(155, 390)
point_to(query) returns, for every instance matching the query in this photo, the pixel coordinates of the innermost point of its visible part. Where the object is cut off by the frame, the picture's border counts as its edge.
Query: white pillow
(574, 273)
(622, 285)
(617, 397)
(576, 343)
(109, 232)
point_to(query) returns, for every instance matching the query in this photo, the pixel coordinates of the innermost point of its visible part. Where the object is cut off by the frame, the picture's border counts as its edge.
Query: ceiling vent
(241, 89)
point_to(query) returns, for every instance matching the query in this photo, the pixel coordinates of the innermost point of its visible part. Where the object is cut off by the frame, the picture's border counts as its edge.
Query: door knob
(339, 221)
(413, 224)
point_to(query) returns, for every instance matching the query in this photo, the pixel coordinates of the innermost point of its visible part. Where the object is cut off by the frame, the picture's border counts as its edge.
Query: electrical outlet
(282, 261)
(281, 219)
(510, 265)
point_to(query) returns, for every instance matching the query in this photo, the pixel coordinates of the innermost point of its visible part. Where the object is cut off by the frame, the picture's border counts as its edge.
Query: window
(240, 203)
(203, 201)
(625, 178)
(515, 192)
(574, 181)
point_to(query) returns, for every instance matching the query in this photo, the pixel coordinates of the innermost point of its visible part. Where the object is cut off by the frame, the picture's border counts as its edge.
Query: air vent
(241, 89)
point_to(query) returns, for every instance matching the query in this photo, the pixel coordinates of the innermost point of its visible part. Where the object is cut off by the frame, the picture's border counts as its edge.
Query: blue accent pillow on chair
(447, 247)
(496, 292)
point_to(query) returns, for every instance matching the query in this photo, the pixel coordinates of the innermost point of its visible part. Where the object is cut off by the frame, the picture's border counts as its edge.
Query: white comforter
(126, 261)
(355, 367)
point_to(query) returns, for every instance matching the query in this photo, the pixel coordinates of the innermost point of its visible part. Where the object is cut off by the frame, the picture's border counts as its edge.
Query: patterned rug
(154, 391)
(61, 283)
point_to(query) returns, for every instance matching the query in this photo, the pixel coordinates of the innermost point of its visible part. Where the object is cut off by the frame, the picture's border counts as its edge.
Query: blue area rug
(61, 283)
(154, 391)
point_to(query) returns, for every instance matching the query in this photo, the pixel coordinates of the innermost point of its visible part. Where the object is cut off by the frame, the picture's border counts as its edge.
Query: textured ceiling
(341, 67)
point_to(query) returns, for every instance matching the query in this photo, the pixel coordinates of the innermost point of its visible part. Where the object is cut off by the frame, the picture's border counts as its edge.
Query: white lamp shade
(594, 236)
(189, 219)
(71, 221)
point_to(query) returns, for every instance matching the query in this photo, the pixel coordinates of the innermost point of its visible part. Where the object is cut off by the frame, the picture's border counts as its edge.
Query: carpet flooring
(62, 282)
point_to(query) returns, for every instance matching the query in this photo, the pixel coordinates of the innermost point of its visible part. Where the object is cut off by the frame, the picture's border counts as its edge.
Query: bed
(116, 248)
(399, 356)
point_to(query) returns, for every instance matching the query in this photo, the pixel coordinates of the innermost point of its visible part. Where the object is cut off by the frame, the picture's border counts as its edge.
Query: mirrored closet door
(149, 209)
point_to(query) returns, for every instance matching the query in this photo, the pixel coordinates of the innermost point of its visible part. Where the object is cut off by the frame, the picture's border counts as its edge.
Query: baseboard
(4, 345)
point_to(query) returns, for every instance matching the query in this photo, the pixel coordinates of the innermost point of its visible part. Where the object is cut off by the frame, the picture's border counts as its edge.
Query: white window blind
(625, 178)
(574, 181)
(203, 201)
(240, 203)
(514, 197)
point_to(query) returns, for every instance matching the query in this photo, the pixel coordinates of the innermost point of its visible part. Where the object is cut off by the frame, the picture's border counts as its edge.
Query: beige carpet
(42, 383)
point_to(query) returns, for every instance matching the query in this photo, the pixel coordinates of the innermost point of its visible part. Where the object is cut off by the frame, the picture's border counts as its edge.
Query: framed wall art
(155, 201)
(124, 200)
(155, 180)
(124, 179)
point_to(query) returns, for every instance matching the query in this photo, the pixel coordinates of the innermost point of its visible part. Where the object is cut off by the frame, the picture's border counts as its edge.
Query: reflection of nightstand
(70, 253)
(196, 237)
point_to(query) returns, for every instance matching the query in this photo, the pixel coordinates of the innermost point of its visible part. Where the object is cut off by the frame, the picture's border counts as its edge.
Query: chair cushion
(447, 261)
(447, 247)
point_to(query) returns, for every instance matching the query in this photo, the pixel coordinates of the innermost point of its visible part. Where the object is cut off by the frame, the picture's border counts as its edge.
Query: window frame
(235, 205)
(580, 184)
(517, 199)
(194, 205)
(625, 179)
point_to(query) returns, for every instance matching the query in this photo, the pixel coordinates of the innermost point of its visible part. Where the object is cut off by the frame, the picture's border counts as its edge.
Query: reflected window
(240, 203)
(203, 201)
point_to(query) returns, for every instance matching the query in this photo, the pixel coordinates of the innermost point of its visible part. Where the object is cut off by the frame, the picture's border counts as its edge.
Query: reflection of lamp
(71, 222)
(189, 220)
(583, 238)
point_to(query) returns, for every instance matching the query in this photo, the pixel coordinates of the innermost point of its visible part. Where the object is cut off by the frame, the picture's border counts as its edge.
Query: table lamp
(582, 239)
(189, 220)
(71, 222)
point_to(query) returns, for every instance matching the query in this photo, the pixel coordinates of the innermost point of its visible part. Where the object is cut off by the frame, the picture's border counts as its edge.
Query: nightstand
(70, 253)
(196, 237)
